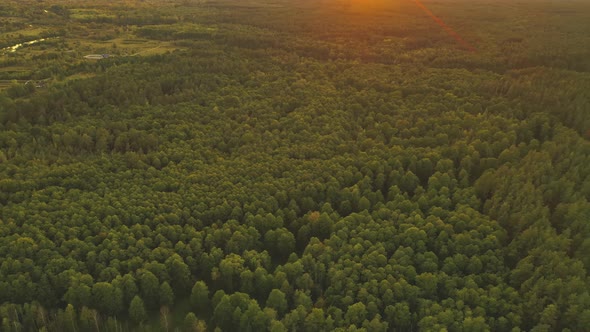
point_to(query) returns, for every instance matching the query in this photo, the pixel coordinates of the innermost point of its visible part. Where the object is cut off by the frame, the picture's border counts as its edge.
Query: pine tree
(137, 311)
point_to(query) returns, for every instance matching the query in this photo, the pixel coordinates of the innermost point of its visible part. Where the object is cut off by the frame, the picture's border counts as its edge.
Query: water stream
(13, 48)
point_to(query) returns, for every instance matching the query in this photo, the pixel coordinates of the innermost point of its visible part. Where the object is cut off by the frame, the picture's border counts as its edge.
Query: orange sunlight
(366, 6)
(372, 7)
(447, 28)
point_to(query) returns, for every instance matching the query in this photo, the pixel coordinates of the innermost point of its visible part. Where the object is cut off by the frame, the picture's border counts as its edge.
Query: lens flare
(368, 6)
(447, 28)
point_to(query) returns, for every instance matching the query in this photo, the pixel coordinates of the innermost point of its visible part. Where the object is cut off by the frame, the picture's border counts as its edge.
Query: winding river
(13, 48)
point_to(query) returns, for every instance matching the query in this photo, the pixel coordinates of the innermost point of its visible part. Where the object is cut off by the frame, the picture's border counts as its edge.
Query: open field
(75, 32)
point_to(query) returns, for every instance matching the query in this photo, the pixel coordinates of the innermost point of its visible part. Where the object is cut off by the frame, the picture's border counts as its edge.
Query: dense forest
(295, 165)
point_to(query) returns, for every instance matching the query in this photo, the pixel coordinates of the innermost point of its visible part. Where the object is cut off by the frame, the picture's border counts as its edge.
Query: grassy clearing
(31, 32)
(91, 30)
(90, 14)
(79, 76)
(160, 49)
(134, 41)
(12, 69)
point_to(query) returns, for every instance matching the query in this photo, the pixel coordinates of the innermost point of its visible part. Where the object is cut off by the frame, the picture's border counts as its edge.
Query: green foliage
(107, 298)
(277, 301)
(149, 289)
(192, 324)
(166, 295)
(137, 312)
(349, 169)
(200, 297)
(356, 314)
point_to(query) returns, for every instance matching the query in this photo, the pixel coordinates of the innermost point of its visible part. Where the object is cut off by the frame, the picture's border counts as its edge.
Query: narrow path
(150, 49)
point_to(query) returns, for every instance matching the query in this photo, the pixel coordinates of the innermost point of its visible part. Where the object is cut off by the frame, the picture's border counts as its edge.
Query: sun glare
(372, 7)
(365, 6)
